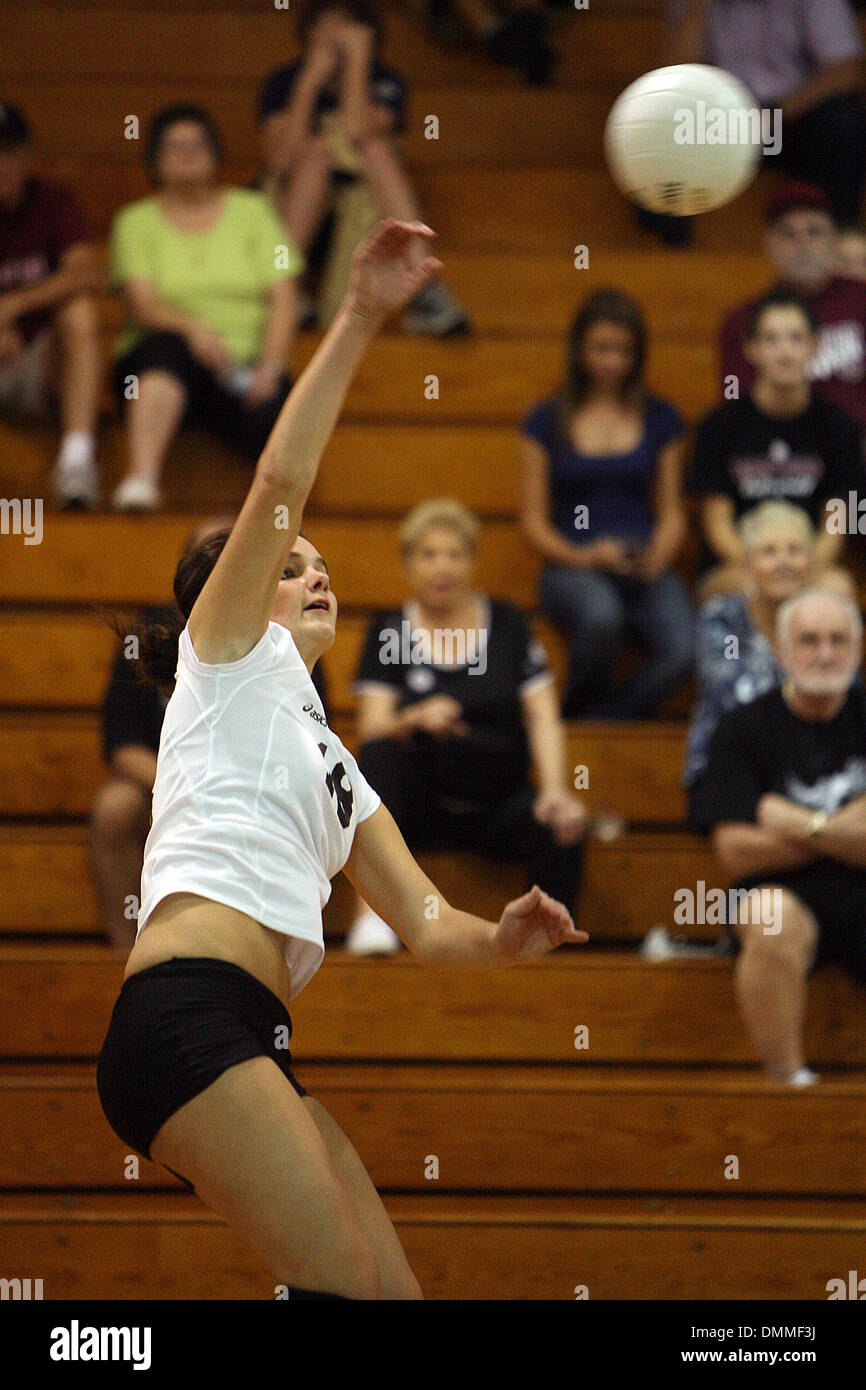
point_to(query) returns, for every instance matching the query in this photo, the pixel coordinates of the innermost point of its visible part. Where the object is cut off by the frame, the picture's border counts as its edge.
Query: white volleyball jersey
(256, 801)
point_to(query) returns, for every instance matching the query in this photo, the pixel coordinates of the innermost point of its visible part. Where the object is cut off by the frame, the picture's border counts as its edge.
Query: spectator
(802, 57)
(132, 715)
(333, 112)
(601, 501)
(778, 440)
(735, 657)
(803, 244)
(784, 796)
(207, 280)
(851, 259)
(455, 701)
(509, 32)
(49, 325)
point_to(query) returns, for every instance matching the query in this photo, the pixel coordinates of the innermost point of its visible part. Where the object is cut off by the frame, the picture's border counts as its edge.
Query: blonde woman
(456, 705)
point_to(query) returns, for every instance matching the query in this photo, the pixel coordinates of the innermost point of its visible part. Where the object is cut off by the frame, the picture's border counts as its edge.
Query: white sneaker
(370, 936)
(75, 484)
(802, 1077)
(658, 944)
(134, 494)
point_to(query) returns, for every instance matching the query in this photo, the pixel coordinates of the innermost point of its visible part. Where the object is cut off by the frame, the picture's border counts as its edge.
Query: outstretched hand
(386, 271)
(534, 924)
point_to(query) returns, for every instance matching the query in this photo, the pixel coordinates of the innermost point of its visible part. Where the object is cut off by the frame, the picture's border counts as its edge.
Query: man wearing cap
(49, 328)
(801, 242)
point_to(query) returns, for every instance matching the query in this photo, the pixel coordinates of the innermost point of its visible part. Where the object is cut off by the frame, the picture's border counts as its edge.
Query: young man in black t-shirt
(780, 439)
(784, 796)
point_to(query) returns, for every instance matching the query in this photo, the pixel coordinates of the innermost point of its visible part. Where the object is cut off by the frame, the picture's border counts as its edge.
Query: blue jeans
(595, 610)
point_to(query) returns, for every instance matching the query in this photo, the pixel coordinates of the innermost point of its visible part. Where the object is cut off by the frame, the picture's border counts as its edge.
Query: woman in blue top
(602, 501)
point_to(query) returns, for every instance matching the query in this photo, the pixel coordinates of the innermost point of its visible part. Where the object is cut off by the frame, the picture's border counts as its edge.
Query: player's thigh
(395, 1273)
(252, 1151)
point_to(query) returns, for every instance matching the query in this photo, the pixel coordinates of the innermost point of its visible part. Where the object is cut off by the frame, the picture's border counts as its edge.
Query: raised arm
(232, 611)
(385, 874)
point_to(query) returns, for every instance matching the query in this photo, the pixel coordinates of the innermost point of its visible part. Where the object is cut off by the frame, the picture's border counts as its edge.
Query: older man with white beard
(784, 797)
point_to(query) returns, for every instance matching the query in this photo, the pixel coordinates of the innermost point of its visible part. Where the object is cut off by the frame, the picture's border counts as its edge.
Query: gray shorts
(27, 390)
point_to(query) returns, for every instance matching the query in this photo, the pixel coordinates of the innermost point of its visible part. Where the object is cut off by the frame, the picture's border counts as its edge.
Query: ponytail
(154, 647)
(150, 645)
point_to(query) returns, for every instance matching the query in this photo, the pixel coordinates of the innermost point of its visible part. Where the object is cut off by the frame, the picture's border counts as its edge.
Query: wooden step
(62, 660)
(681, 296)
(165, 43)
(85, 559)
(170, 1246)
(514, 1129)
(56, 1002)
(495, 380)
(74, 116)
(509, 208)
(367, 469)
(51, 765)
(46, 886)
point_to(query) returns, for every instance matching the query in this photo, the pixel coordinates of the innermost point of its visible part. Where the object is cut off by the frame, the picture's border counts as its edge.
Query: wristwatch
(817, 821)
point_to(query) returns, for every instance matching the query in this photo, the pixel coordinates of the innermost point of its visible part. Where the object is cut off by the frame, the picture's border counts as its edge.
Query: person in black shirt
(780, 440)
(784, 796)
(331, 115)
(132, 715)
(456, 702)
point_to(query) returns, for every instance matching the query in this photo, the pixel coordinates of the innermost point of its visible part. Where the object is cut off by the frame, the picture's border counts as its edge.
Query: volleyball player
(256, 806)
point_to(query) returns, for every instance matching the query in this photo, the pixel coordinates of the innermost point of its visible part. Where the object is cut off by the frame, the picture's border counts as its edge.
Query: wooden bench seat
(139, 1246)
(520, 1129)
(46, 887)
(56, 1003)
(51, 765)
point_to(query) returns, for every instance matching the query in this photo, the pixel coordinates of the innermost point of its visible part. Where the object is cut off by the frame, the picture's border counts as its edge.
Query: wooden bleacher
(558, 1166)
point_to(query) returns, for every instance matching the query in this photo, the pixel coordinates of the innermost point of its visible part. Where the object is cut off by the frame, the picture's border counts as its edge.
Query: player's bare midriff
(185, 924)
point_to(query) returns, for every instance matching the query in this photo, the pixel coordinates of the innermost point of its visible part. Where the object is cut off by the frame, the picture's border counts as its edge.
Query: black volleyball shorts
(174, 1029)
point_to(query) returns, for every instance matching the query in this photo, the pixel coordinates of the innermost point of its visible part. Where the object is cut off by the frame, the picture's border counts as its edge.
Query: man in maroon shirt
(49, 328)
(801, 242)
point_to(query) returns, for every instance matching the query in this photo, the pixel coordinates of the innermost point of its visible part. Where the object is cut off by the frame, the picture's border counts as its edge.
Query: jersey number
(334, 783)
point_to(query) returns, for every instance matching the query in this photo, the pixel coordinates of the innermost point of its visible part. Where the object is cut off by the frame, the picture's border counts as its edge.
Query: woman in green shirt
(207, 279)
